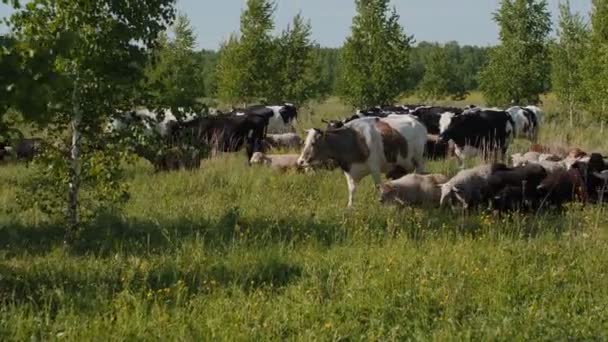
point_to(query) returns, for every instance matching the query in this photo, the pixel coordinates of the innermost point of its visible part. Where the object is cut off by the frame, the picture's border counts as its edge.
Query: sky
(464, 21)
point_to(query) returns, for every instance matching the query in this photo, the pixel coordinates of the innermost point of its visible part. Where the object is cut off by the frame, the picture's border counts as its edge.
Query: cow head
(445, 121)
(452, 195)
(288, 113)
(333, 124)
(389, 195)
(456, 130)
(259, 158)
(315, 148)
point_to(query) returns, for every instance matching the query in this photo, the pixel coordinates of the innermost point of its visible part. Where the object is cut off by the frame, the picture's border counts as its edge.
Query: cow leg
(352, 185)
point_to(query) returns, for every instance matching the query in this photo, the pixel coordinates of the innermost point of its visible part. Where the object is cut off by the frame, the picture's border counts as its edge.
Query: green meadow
(231, 252)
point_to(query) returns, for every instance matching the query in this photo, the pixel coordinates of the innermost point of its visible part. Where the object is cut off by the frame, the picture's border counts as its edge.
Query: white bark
(74, 185)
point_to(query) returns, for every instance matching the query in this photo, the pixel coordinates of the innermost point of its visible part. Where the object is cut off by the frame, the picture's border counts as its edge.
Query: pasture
(231, 252)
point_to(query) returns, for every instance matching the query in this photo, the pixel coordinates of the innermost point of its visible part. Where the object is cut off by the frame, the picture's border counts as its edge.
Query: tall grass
(231, 252)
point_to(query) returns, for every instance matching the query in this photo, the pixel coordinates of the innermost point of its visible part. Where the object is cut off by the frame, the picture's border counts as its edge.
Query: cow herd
(395, 141)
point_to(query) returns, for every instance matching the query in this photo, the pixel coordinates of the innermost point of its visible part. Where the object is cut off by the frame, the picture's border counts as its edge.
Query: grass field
(236, 253)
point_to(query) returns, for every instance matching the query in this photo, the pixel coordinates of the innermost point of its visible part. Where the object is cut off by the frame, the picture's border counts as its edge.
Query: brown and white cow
(369, 146)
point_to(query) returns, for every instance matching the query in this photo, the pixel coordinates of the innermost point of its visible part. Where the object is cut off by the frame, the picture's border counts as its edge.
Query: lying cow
(413, 189)
(285, 140)
(558, 151)
(519, 159)
(563, 186)
(281, 162)
(470, 187)
(516, 188)
(368, 146)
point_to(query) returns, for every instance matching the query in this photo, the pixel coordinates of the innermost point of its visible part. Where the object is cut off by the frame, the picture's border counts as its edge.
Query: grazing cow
(436, 149)
(26, 149)
(469, 188)
(281, 162)
(430, 116)
(280, 117)
(285, 140)
(526, 122)
(160, 121)
(4, 149)
(225, 133)
(368, 146)
(563, 186)
(413, 189)
(521, 181)
(486, 130)
(176, 158)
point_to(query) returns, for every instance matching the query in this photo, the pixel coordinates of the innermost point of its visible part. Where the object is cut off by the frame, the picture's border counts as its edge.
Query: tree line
(379, 62)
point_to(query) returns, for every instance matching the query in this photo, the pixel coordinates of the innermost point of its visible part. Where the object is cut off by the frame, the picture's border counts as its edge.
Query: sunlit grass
(230, 252)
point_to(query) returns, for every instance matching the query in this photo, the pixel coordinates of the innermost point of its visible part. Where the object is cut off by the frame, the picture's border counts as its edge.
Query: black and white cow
(281, 118)
(527, 121)
(159, 121)
(487, 131)
(225, 133)
(430, 116)
(368, 146)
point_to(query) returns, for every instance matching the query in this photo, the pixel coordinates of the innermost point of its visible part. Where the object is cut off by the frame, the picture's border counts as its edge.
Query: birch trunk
(74, 185)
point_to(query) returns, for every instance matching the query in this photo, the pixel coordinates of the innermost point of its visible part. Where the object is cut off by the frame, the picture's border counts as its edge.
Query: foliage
(440, 77)
(375, 58)
(517, 70)
(247, 63)
(175, 76)
(94, 53)
(596, 61)
(567, 56)
(299, 66)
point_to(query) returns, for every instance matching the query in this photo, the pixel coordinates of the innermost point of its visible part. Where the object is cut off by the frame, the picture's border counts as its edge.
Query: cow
(521, 181)
(559, 151)
(225, 133)
(280, 162)
(285, 140)
(280, 117)
(176, 158)
(413, 189)
(563, 186)
(593, 168)
(27, 148)
(469, 188)
(486, 130)
(526, 122)
(368, 146)
(436, 149)
(160, 121)
(430, 116)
